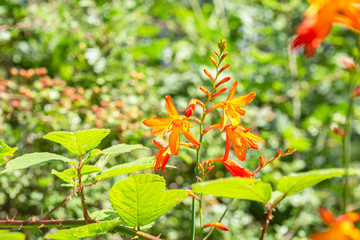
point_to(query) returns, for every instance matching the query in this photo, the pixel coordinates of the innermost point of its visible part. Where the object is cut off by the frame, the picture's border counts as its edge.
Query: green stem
(221, 218)
(347, 137)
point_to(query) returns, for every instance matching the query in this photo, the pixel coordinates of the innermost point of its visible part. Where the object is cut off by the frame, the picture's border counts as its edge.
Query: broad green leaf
(5, 151)
(79, 142)
(105, 215)
(69, 175)
(125, 168)
(121, 148)
(84, 231)
(242, 188)
(276, 195)
(6, 234)
(298, 182)
(88, 169)
(141, 199)
(32, 159)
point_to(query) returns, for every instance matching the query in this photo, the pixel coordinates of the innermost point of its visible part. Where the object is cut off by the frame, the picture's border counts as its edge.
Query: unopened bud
(222, 81)
(339, 131)
(213, 61)
(224, 55)
(209, 75)
(261, 160)
(207, 92)
(277, 153)
(190, 108)
(217, 54)
(217, 93)
(348, 63)
(199, 178)
(224, 68)
(200, 103)
(191, 194)
(216, 225)
(201, 167)
(356, 92)
(209, 169)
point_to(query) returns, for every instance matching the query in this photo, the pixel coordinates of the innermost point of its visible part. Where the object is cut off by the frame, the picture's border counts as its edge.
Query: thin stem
(81, 187)
(221, 218)
(57, 206)
(70, 223)
(347, 137)
(269, 215)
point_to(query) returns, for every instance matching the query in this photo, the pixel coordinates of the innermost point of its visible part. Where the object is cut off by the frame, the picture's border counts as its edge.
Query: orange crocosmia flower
(341, 228)
(320, 17)
(162, 156)
(174, 124)
(241, 138)
(216, 225)
(232, 107)
(233, 167)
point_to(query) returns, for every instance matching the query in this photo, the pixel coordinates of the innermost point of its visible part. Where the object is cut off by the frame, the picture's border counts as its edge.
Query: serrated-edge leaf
(105, 215)
(242, 188)
(5, 150)
(141, 199)
(298, 182)
(78, 142)
(126, 168)
(84, 231)
(68, 175)
(121, 148)
(32, 159)
(89, 169)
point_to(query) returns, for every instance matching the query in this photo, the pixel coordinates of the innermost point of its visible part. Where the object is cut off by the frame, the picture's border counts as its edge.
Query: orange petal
(156, 144)
(190, 136)
(239, 149)
(218, 105)
(227, 148)
(236, 170)
(326, 216)
(232, 91)
(216, 225)
(243, 100)
(174, 140)
(223, 121)
(170, 108)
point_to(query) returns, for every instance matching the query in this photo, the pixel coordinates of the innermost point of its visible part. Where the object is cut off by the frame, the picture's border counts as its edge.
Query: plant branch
(269, 215)
(81, 188)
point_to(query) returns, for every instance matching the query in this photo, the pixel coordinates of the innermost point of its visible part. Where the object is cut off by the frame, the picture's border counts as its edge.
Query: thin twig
(57, 206)
(81, 187)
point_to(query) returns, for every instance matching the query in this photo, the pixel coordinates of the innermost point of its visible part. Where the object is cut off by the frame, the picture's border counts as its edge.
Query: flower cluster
(341, 228)
(237, 135)
(319, 19)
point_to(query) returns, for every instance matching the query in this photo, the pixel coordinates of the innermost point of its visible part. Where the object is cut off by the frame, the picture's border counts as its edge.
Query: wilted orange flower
(232, 166)
(232, 107)
(319, 19)
(241, 138)
(341, 228)
(174, 124)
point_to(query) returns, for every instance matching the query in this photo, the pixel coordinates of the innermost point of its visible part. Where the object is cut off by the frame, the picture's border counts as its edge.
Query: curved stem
(347, 137)
(81, 187)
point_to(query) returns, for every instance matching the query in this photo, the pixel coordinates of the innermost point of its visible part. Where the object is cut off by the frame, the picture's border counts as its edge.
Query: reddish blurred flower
(232, 107)
(356, 92)
(174, 125)
(232, 166)
(348, 63)
(319, 19)
(341, 228)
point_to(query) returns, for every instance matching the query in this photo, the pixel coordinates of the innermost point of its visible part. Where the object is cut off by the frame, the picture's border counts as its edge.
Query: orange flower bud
(216, 225)
(209, 75)
(191, 194)
(261, 160)
(356, 92)
(224, 67)
(224, 55)
(207, 92)
(222, 81)
(217, 54)
(339, 131)
(200, 103)
(213, 61)
(217, 93)
(190, 108)
(348, 63)
(199, 178)
(277, 153)
(209, 169)
(201, 167)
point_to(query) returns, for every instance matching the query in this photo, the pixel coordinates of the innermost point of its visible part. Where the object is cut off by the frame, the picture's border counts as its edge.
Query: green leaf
(84, 231)
(5, 151)
(69, 175)
(79, 142)
(298, 182)
(125, 168)
(121, 148)
(88, 169)
(141, 199)
(276, 195)
(105, 215)
(242, 188)
(32, 159)
(6, 234)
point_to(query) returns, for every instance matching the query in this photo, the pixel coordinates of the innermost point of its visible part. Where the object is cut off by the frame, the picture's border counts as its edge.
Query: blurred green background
(72, 65)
